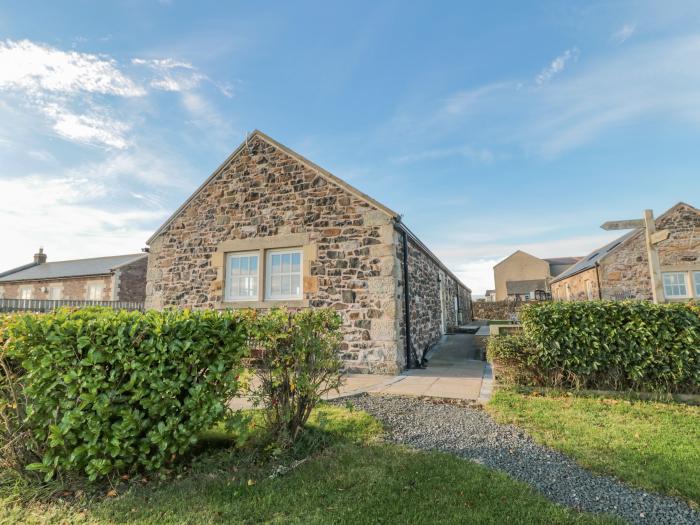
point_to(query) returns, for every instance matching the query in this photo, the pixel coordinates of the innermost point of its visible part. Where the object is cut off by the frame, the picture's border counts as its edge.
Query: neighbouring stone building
(524, 277)
(270, 228)
(115, 278)
(620, 269)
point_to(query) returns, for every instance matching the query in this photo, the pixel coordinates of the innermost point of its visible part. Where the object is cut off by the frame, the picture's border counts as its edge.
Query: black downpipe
(406, 301)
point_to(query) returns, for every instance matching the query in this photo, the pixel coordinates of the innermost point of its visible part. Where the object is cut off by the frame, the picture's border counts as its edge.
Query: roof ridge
(94, 258)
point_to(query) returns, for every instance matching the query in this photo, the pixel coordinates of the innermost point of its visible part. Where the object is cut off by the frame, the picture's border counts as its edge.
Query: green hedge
(111, 391)
(606, 344)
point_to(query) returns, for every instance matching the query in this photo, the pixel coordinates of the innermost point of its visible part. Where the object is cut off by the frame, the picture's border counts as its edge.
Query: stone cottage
(620, 269)
(114, 278)
(270, 228)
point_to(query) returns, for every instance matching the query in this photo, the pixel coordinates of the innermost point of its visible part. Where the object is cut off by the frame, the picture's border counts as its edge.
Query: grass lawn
(652, 445)
(342, 473)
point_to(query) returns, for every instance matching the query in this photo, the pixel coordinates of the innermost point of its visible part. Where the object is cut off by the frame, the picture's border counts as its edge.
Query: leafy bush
(299, 363)
(511, 355)
(111, 391)
(599, 344)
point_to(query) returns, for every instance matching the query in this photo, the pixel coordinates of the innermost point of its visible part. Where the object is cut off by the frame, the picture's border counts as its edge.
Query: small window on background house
(25, 292)
(675, 284)
(94, 292)
(527, 296)
(283, 274)
(696, 278)
(242, 271)
(54, 293)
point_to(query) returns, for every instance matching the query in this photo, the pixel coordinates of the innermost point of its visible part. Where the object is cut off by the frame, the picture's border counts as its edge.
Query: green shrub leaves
(112, 391)
(298, 363)
(606, 344)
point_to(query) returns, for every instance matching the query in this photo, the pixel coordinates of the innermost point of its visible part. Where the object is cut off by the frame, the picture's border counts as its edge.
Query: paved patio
(454, 372)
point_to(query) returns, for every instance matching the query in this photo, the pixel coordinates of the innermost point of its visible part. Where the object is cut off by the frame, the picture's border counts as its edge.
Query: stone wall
(495, 310)
(578, 286)
(263, 197)
(427, 282)
(74, 288)
(130, 281)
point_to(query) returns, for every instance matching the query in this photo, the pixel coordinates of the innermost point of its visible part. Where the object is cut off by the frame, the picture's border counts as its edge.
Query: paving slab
(452, 373)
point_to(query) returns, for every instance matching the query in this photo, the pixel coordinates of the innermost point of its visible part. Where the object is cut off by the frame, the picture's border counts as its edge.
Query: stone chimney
(40, 258)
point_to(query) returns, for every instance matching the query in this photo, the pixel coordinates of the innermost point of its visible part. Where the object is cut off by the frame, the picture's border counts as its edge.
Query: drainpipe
(597, 276)
(406, 300)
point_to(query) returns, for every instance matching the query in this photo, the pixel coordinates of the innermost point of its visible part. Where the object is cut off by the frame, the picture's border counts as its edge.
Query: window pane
(697, 284)
(296, 285)
(235, 266)
(674, 284)
(254, 264)
(286, 285)
(244, 265)
(276, 282)
(285, 263)
(296, 262)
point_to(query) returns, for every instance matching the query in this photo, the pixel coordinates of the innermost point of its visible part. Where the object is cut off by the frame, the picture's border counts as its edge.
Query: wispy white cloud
(64, 87)
(66, 215)
(94, 127)
(170, 74)
(462, 101)
(624, 33)
(655, 79)
(483, 155)
(32, 67)
(78, 93)
(557, 66)
(177, 75)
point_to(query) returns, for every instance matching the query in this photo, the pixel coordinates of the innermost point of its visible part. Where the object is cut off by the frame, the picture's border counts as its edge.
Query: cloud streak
(554, 113)
(557, 66)
(624, 33)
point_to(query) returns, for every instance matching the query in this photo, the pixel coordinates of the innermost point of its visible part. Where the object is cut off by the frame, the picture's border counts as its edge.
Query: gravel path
(472, 434)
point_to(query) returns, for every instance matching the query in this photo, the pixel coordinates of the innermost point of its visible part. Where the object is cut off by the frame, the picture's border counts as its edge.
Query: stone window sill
(293, 303)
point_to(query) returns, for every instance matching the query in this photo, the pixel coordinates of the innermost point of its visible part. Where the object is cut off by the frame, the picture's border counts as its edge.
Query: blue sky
(490, 127)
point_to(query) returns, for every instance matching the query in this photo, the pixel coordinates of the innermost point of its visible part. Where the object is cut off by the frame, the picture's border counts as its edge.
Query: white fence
(46, 305)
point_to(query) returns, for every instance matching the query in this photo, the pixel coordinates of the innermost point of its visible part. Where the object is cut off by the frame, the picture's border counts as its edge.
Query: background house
(524, 277)
(270, 228)
(115, 278)
(620, 269)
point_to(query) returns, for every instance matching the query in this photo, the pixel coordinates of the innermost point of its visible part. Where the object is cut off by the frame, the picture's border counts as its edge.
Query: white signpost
(653, 237)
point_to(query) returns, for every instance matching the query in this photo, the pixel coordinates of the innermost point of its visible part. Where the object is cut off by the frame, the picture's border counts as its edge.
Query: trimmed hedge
(619, 345)
(111, 391)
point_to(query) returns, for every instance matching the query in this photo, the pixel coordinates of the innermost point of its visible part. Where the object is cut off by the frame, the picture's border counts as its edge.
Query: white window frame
(29, 291)
(268, 274)
(696, 282)
(94, 286)
(57, 287)
(229, 296)
(666, 289)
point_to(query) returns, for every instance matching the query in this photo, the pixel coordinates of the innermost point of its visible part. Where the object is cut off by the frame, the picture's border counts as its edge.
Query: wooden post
(657, 285)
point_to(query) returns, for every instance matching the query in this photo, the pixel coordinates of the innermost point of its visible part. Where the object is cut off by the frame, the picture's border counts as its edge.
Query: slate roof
(526, 286)
(590, 260)
(75, 268)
